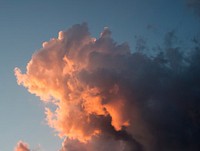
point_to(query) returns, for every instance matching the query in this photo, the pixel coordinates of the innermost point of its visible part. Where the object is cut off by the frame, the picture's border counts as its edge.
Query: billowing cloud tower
(100, 96)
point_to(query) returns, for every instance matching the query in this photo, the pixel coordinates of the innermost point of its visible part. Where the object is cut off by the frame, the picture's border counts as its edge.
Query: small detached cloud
(22, 146)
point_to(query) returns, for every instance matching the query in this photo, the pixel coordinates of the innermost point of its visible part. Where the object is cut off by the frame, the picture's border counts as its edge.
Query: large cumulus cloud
(101, 96)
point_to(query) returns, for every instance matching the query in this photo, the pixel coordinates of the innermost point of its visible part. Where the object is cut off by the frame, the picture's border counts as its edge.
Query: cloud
(100, 143)
(101, 96)
(195, 5)
(22, 146)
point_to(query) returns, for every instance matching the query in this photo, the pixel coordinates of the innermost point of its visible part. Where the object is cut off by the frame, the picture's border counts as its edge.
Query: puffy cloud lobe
(100, 143)
(22, 146)
(107, 98)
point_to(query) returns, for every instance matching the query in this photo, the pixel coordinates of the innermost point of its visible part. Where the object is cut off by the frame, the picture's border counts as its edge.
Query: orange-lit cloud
(54, 74)
(22, 146)
(102, 97)
(58, 74)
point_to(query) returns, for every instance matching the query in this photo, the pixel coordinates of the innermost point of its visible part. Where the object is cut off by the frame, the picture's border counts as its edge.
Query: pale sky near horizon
(26, 24)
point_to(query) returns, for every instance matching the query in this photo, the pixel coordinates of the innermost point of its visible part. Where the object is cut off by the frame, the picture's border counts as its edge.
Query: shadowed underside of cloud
(102, 97)
(22, 146)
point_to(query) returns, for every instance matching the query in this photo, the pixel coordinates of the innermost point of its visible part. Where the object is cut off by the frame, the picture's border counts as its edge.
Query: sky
(144, 25)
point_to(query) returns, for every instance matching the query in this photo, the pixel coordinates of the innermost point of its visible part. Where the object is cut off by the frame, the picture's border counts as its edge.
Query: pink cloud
(22, 146)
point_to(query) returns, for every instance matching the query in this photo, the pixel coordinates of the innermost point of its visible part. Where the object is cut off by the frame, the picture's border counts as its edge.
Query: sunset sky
(25, 25)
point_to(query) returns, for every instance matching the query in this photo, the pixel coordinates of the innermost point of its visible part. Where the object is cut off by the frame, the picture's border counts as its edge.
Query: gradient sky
(25, 24)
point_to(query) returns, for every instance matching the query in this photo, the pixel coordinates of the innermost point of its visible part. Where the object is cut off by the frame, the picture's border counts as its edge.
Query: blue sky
(24, 25)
